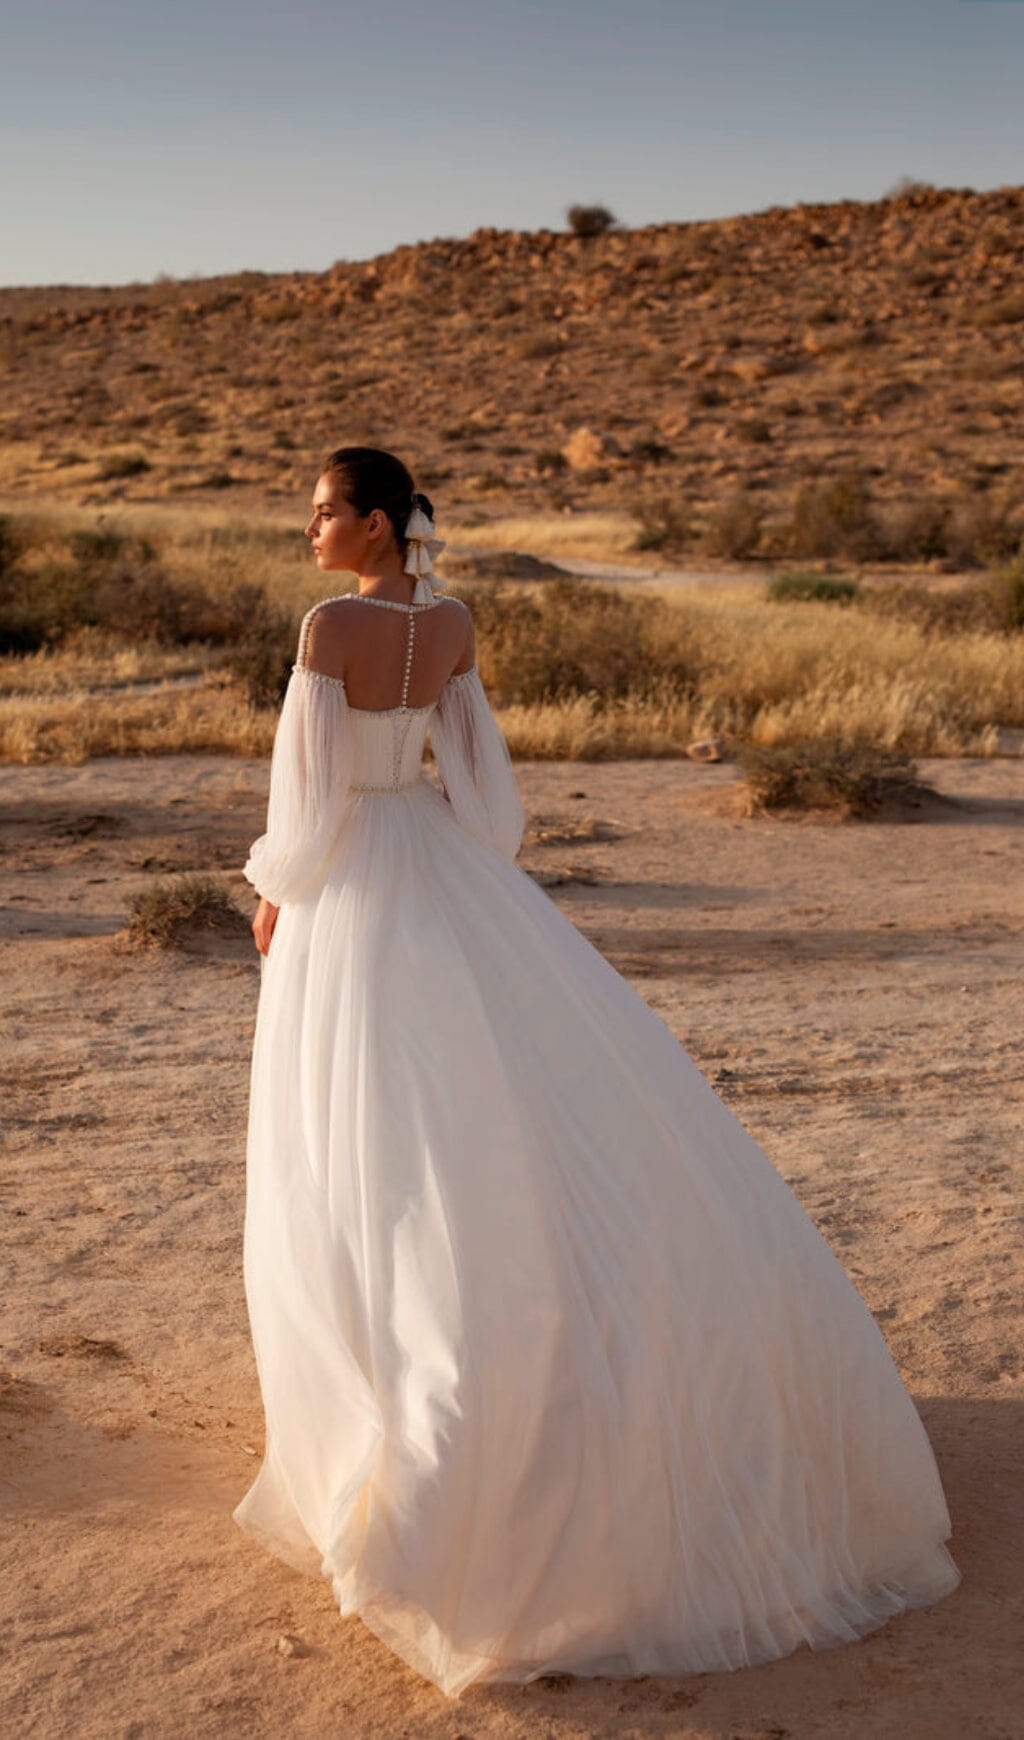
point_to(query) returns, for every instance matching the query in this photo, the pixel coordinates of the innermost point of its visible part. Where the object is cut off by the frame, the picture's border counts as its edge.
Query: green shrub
(798, 585)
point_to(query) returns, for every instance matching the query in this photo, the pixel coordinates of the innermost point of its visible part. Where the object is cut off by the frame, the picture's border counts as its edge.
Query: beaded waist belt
(391, 790)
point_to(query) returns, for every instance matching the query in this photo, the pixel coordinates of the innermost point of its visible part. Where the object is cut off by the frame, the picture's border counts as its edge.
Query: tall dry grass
(598, 537)
(575, 670)
(77, 728)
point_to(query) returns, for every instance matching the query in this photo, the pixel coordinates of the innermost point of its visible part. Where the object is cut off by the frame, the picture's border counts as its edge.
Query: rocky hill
(525, 371)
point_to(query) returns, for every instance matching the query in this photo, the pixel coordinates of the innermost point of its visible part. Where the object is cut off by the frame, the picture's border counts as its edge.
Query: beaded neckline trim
(388, 603)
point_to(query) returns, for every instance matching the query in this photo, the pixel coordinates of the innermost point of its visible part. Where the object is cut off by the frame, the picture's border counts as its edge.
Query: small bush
(796, 585)
(92, 549)
(983, 529)
(541, 345)
(165, 914)
(998, 311)
(590, 220)
(571, 638)
(664, 522)
(754, 431)
(649, 452)
(110, 580)
(734, 527)
(973, 608)
(190, 420)
(260, 637)
(835, 518)
(10, 544)
(914, 531)
(851, 779)
(1006, 590)
(123, 465)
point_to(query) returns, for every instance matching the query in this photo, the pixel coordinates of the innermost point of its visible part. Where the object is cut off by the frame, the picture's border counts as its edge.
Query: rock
(585, 450)
(289, 1645)
(752, 368)
(707, 749)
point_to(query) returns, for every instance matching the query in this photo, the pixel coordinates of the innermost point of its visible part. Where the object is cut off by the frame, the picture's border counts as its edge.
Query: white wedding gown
(557, 1372)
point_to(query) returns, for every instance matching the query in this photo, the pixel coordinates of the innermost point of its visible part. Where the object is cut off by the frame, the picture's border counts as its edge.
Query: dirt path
(853, 991)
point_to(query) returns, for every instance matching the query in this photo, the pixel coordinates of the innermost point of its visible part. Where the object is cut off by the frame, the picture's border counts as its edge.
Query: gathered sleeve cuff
(310, 777)
(474, 764)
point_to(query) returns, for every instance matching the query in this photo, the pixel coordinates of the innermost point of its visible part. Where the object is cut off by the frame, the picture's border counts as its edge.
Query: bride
(557, 1372)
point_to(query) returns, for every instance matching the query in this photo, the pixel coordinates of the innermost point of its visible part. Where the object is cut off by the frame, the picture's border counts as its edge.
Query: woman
(557, 1372)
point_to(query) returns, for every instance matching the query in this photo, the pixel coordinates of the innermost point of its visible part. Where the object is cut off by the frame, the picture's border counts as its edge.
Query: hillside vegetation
(697, 375)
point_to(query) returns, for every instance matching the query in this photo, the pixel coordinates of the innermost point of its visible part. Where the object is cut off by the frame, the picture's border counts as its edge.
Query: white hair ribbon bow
(423, 545)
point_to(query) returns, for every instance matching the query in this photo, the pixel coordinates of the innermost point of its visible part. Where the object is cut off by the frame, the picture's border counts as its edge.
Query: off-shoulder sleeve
(474, 764)
(310, 776)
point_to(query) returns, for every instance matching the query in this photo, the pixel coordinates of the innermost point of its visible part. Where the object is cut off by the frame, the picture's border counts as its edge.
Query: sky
(192, 137)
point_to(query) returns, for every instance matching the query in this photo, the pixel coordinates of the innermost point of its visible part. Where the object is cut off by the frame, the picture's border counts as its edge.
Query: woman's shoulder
(457, 606)
(319, 638)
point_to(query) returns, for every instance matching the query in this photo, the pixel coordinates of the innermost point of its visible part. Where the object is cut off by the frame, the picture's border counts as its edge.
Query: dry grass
(207, 547)
(95, 660)
(73, 728)
(743, 668)
(849, 780)
(575, 669)
(592, 537)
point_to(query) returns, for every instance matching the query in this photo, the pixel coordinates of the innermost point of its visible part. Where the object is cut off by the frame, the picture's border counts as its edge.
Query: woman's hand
(263, 924)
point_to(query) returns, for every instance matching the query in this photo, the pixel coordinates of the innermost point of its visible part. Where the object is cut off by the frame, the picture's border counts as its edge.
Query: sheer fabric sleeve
(474, 764)
(310, 776)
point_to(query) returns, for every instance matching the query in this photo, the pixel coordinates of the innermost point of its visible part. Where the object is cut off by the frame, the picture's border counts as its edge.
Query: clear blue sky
(182, 136)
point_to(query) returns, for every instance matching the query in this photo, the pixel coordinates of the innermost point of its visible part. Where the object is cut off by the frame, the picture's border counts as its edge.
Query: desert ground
(852, 989)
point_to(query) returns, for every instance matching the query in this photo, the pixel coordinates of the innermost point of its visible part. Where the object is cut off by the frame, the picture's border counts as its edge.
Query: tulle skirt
(557, 1372)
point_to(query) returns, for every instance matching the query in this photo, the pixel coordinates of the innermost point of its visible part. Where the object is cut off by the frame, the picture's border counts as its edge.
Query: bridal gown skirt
(557, 1372)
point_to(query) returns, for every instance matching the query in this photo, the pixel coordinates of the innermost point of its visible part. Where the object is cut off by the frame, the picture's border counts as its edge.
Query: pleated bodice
(387, 747)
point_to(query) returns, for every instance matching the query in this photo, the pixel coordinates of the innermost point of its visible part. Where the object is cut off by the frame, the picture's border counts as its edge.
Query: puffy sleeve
(310, 775)
(474, 764)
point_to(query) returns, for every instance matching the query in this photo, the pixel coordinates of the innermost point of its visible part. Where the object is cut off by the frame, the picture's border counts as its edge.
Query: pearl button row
(408, 659)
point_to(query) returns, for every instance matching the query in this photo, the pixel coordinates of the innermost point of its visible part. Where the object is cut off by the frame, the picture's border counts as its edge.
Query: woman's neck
(391, 582)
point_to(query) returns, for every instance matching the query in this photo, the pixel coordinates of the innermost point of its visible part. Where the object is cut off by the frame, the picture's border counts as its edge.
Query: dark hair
(369, 478)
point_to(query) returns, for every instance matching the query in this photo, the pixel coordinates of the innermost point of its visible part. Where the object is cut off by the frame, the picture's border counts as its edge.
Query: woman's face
(339, 535)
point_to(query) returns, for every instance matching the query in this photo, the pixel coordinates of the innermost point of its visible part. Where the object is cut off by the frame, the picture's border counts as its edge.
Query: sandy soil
(854, 991)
